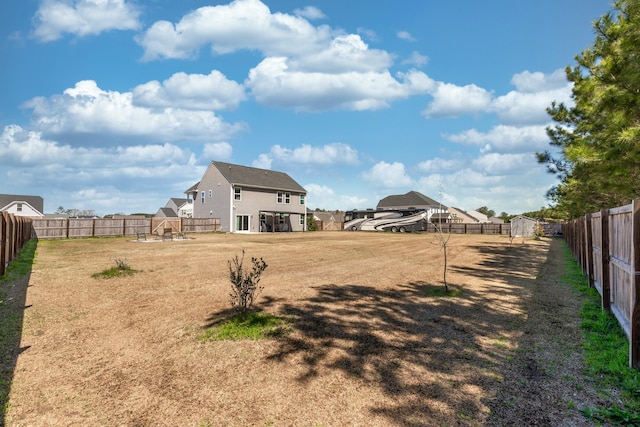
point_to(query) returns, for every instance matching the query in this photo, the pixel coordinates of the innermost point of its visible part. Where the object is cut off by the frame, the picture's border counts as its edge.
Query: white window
(287, 198)
(237, 193)
(280, 197)
(19, 207)
(202, 197)
(302, 199)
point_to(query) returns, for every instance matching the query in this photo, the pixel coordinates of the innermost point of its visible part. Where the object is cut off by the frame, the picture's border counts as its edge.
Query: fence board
(607, 246)
(15, 231)
(112, 227)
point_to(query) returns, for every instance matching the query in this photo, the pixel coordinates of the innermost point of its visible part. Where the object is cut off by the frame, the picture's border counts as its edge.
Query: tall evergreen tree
(598, 139)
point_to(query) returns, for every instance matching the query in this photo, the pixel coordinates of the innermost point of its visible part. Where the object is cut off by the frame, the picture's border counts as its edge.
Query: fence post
(3, 243)
(634, 322)
(606, 280)
(589, 243)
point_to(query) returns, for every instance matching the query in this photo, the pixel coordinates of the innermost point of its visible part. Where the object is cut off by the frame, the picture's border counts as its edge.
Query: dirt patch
(370, 346)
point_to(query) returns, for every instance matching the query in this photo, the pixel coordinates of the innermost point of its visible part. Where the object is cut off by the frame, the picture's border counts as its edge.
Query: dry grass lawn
(371, 346)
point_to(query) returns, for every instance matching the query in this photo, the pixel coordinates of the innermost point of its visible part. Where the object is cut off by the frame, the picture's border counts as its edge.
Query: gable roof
(412, 198)
(167, 213)
(259, 178)
(35, 202)
(178, 201)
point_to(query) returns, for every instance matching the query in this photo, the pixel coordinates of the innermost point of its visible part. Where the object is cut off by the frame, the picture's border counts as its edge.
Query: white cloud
(263, 162)
(450, 100)
(216, 151)
(440, 165)
(108, 179)
(329, 154)
(405, 35)
(310, 12)
(191, 91)
(527, 107)
(345, 53)
(324, 197)
(504, 164)
(88, 110)
(416, 59)
(503, 138)
(388, 175)
(272, 83)
(83, 18)
(529, 82)
(242, 24)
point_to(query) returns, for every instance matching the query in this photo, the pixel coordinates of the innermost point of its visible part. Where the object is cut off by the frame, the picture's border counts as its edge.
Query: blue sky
(119, 105)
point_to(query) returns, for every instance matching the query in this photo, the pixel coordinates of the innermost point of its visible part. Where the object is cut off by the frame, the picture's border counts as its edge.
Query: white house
(19, 205)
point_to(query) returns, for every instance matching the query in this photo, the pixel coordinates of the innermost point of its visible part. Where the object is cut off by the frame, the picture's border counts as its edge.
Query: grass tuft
(252, 326)
(121, 268)
(441, 292)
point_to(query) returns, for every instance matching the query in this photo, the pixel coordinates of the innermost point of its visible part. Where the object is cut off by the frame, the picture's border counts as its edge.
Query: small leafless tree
(244, 282)
(443, 241)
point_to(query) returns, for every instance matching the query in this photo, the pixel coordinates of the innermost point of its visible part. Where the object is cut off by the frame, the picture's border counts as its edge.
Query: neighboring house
(31, 206)
(414, 200)
(480, 217)
(459, 216)
(523, 226)
(496, 220)
(176, 208)
(248, 199)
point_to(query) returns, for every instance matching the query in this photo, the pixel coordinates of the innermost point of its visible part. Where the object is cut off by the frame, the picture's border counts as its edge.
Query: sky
(116, 106)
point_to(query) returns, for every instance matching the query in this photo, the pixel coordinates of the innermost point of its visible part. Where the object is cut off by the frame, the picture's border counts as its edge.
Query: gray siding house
(248, 199)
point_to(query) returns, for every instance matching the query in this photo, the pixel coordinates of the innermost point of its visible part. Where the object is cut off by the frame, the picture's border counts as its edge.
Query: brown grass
(372, 345)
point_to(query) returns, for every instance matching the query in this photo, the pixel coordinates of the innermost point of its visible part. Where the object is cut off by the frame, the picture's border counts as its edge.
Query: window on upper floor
(19, 207)
(302, 199)
(287, 198)
(280, 197)
(210, 193)
(237, 193)
(202, 197)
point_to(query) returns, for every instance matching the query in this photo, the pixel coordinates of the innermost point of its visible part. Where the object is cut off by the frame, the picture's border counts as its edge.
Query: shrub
(244, 283)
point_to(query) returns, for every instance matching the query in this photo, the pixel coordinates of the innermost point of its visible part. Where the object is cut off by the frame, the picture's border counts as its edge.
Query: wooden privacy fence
(607, 246)
(15, 231)
(476, 228)
(65, 228)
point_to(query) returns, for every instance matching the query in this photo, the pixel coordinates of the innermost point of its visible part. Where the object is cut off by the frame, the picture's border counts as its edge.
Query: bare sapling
(443, 241)
(244, 282)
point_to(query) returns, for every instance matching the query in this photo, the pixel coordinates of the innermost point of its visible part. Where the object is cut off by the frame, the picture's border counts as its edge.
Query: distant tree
(312, 224)
(596, 142)
(60, 210)
(488, 212)
(505, 216)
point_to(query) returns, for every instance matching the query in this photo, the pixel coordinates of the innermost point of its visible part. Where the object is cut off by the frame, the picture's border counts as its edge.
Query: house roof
(178, 201)
(193, 188)
(35, 202)
(463, 215)
(167, 213)
(255, 177)
(412, 198)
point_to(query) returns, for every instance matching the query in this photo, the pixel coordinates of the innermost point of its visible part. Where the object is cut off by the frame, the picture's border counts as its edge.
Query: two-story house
(248, 199)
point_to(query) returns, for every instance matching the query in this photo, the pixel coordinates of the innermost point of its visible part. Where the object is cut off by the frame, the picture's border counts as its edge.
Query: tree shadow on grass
(425, 354)
(13, 295)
